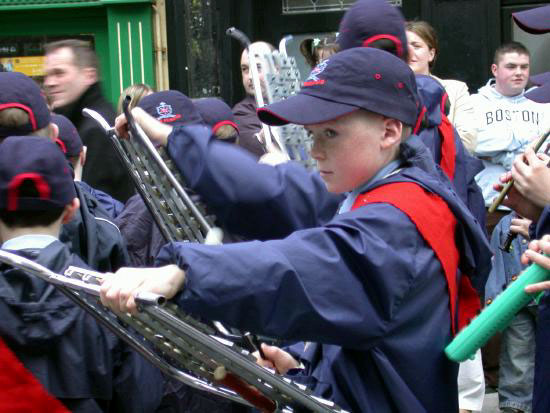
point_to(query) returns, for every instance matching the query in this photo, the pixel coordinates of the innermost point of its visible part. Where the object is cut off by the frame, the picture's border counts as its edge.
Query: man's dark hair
(512, 47)
(28, 219)
(84, 55)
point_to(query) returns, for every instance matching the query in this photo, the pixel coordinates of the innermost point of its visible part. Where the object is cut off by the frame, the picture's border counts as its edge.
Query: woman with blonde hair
(423, 51)
(137, 91)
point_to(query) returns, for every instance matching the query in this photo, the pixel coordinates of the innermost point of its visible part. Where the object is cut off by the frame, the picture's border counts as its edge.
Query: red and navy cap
(358, 78)
(370, 20)
(215, 113)
(68, 140)
(534, 21)
(39, 161)
(172, 107)
(20, 91)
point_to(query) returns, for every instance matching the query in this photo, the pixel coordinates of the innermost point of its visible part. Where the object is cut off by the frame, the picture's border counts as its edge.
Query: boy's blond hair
(16, 117)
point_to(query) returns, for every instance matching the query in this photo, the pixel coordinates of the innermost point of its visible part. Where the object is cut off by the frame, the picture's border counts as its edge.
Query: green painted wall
(122, 33)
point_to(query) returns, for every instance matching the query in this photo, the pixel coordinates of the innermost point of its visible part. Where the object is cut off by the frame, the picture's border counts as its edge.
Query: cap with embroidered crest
(20, 91)
(358, 78)
(68, 139)
(36, 161)
(171, 107)
(215, 113)
(370, 20)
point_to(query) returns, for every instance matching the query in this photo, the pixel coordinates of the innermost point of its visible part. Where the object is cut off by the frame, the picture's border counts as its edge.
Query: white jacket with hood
(506, 124)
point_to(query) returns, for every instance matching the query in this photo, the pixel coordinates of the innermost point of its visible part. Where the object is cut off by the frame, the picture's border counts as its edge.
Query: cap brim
(540, 79)
(541, 94)
(303, 109)
(534, 21)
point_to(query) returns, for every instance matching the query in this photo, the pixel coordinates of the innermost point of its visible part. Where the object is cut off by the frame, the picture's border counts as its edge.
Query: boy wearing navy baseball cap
(23, 108)
(378, 24)
(24, 111)
(82, 363)
(143, 237)
(375, 289)
(36, 186)
(68, 140)
(218, 115)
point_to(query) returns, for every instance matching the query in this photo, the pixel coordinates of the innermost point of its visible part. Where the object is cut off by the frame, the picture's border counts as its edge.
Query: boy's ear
(82, 155)
(54, 131)
(70, 211)
(393, 129)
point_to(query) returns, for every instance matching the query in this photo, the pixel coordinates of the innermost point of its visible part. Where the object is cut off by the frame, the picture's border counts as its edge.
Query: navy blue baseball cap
(38, 160)
(370, 20)
(539, 94)
(215, 113)
(20, 91)
(68, 140)
(534, 21)
(172, 107)
(358, 78)
(540, 79)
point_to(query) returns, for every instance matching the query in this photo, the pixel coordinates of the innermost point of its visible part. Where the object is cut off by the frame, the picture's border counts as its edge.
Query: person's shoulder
(245, 106)
(453, 83)
(94, 98)
(455, 86)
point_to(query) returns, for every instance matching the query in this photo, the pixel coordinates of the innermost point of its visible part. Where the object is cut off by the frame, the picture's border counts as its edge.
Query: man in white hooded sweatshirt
(507, 120)
(507, 123)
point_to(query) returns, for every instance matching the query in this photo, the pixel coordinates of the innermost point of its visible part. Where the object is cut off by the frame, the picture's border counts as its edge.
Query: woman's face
(420, 54)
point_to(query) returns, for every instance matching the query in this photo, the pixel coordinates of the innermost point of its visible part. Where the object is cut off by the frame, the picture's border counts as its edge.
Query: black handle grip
(239, 36)
(507, 244)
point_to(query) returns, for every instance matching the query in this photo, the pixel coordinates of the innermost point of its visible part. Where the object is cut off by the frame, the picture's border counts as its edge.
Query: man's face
(65, 82)
(348, 150)
(247, 75)
(511, 73)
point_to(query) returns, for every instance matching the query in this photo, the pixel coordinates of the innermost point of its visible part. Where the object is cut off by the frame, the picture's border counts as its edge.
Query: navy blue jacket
(75, 359)
(364, 283)
(506, 265)
(93, 236)
(140, 232)
(109, 204)
(466, 166)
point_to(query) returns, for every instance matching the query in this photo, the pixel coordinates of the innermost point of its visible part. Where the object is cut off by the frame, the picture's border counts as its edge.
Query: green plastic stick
(496, 316)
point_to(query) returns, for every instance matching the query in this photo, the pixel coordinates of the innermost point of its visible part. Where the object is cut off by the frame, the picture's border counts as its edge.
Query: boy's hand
(516, 201)
(121, 126)
(535, 254)
(118, 291)
(156, 131)
(276, 359)
(532, 177)
(520, 226)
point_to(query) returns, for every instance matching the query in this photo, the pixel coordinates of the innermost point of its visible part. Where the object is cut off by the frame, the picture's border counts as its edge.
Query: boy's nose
(316, 151)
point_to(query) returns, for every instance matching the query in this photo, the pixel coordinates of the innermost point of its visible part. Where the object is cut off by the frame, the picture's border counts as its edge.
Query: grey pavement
(490, 403)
